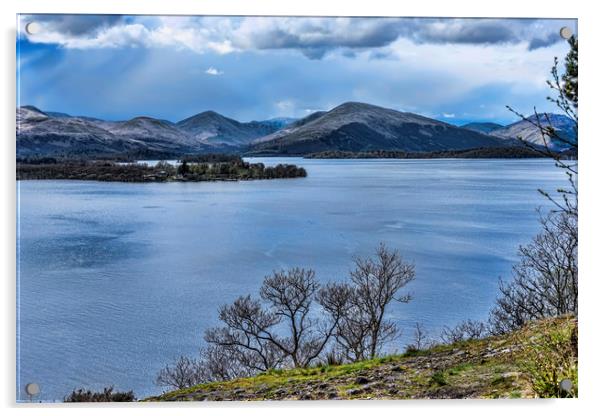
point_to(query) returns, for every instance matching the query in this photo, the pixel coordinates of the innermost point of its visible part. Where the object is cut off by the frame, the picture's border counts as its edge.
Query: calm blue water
(117, 279)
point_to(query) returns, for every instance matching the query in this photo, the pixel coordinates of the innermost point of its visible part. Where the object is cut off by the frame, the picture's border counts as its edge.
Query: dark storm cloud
(327, 33)
(314, 37)
(76, 24)
(544, 42)
(465, 32)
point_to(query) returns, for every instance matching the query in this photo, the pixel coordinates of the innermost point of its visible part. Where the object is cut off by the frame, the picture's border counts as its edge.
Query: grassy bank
(494, 367)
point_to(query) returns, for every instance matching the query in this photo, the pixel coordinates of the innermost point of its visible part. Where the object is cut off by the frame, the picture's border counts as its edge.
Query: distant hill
(526, 130)
(290, 127)
(39, 134)
(482, 127)
(152, 132)
(212, 128)
(42, 133)
(359, 127)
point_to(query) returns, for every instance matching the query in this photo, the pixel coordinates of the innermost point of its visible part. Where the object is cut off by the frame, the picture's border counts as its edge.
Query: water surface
(116, 279)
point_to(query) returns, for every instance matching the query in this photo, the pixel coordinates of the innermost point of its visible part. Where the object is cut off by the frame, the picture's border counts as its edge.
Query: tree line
(509, 152)
(205, 168)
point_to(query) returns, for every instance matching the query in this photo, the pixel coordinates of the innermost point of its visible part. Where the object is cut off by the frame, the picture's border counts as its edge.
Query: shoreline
(232, 170)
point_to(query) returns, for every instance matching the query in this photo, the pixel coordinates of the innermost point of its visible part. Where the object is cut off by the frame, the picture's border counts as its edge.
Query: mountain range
(351, 126)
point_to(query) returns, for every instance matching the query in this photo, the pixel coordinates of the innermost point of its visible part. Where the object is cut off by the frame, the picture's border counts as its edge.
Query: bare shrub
(464, 331)
(107, 395)
(214, 364)
(184, 372)
(421, 339)
(545, 280)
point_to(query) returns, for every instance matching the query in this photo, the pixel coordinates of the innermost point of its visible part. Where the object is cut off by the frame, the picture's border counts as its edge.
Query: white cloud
(213, 71)
(308, 111)
(449, 115)
(285, 108)
(285, 105)
(473, 66)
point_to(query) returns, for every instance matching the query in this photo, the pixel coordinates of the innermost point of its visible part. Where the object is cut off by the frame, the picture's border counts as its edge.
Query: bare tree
(353, 332)
(465, 330)
(248, 334)
(284, 328)
(290, 295)
(336, 301)
(545, 280)
(222, 363)
(184, 372)
(376, 283)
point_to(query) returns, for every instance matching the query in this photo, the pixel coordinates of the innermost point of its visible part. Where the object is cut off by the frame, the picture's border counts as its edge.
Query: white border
(591, 146)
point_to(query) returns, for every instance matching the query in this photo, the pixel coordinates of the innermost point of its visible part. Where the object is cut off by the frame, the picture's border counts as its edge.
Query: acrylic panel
(295, 208)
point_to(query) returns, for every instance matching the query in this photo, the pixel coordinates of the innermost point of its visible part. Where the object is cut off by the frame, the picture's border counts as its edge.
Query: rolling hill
(212, 128)
(528, 131)
(357, 127)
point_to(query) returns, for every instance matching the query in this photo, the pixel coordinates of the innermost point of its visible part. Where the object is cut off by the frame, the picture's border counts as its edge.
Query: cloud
(544, 42)
(76, 24)
(465, 31)
(285, 105)
(314, 37)
(213, 71)
(448, 115)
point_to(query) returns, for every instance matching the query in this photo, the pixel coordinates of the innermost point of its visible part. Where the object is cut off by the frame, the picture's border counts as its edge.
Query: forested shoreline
(515, 152)
(198, 169)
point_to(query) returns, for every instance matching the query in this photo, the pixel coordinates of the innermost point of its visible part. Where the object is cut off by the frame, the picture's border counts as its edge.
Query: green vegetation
(438, 378)
(205, 168)
(494, 367)
(514, 152)
(549, 357)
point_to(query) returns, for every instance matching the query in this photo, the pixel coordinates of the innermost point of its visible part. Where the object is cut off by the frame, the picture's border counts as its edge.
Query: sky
(255, 68)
